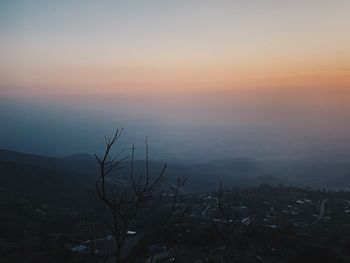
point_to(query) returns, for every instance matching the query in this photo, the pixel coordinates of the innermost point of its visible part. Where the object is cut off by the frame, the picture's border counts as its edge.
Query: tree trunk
(118, 253)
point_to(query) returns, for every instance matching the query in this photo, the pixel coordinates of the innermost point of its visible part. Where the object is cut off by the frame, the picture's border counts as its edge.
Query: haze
(203, 79)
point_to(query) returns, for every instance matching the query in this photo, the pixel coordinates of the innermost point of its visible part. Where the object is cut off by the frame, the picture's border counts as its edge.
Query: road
(205, 210)
(322, 211)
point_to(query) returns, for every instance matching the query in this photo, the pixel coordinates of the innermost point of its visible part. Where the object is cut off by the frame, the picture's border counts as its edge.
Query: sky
(187, 72)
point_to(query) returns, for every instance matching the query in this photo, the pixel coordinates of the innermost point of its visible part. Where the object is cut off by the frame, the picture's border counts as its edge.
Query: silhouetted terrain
(41, 196)
(54, 176)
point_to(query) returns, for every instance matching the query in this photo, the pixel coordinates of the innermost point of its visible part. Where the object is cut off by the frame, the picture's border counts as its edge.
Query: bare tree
(180, 182)
(225, 200)
(234, 227)
(123, 199)
(228, 199)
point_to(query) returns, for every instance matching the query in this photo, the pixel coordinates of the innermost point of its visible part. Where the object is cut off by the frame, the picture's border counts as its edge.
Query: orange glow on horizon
(173, 48)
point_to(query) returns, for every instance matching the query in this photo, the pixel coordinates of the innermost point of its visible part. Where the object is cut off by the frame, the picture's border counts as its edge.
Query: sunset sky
(91, 47)
(182, 61)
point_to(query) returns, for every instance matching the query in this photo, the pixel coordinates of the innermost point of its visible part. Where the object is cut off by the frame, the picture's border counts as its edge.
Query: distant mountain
(340, 182)
(80, 171)
(12, 156)
(310, 171)
(46, 179)
(80, 157)
(82, 165)
(237, 171)
(269, 179)
(31, 182)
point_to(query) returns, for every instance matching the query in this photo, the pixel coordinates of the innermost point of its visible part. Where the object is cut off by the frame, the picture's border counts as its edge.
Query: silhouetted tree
(123, 199)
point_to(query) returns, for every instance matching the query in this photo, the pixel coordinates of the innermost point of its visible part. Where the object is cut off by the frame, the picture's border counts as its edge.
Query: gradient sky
(226, 63)
(93, 47)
